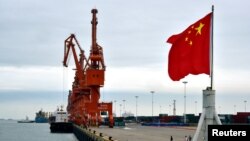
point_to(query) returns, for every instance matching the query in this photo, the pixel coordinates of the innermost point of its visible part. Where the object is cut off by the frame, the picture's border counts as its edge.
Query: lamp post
(136, 97)
(124, 111)
(234, 109)
(245, 105)
(160, 109)
(195, 107)
(169, 109)
(184, 82)
(120, 110)
(115, 107)
(152, 92)
(174, 109)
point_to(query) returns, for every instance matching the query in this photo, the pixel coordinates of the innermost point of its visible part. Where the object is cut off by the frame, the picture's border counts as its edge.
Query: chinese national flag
(190, 49)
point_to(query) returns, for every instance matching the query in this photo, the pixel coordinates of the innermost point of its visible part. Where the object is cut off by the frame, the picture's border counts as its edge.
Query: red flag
(189, 53)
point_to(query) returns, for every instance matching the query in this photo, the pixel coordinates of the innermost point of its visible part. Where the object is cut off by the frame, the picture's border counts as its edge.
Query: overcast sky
(133, 35)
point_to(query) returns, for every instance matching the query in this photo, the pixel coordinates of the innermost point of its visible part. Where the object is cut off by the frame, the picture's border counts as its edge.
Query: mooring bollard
(90, 135)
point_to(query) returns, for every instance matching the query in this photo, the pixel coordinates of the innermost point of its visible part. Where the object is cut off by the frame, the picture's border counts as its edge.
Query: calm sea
(10, 130)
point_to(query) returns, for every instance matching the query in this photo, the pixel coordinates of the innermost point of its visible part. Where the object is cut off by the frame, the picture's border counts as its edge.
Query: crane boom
(69, 45)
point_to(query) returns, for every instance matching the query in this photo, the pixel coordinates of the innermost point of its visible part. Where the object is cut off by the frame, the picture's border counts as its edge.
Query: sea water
(10, 130)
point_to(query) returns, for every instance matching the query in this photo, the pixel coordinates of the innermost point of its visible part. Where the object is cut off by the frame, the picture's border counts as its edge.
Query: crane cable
(65, 83)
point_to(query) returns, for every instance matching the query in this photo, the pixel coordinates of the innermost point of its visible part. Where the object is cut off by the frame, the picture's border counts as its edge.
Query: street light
(174, 109)
(169, 109)
(152, 92)
(124, 111)
(234, 109)
(160, 108)
(184, 82)
(120, 110)
(136, 97)
(245, 106)
(115, 107)
(195, 107)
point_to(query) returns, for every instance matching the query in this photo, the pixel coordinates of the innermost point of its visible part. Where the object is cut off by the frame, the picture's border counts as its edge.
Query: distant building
(127, 114)
(241, 117)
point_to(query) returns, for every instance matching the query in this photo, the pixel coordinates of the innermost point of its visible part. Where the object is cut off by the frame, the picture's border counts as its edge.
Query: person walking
(186, 138)
(190, 138)
(171, 138)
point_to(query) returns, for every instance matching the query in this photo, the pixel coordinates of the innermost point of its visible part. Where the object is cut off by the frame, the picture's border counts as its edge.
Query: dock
(136, 132)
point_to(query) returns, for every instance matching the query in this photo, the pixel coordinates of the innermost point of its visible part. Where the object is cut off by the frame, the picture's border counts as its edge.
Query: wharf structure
(157, 128)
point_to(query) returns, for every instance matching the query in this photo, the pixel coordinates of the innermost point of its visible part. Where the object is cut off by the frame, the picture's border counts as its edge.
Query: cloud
(33, 32)
(123, 79)
(31, 78)
(132, 34)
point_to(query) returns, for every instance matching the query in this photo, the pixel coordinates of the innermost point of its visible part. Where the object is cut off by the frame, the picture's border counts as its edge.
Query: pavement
(136, 132)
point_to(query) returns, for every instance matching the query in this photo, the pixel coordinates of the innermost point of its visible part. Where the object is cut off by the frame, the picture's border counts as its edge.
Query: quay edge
(84, 134)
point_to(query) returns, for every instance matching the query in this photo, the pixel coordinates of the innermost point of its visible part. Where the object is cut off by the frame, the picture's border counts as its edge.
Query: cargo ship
(59, 122)
(26, 120)
(42, 117)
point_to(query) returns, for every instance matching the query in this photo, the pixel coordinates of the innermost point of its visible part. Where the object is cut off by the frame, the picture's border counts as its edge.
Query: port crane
(84, 106)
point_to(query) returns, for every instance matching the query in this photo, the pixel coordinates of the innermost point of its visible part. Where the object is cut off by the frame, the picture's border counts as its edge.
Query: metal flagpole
(209, 115)
(212, 48)
(212, 65)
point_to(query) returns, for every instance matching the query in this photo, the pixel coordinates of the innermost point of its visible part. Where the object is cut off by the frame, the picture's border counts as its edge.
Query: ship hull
(61, 127)
(41, 120)
(21, 121)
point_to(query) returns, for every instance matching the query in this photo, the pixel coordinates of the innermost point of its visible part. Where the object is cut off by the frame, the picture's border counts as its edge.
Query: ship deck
(136, 132)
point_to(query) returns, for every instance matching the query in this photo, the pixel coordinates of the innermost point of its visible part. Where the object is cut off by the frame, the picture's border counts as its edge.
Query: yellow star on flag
(190, 43)
(199, 28)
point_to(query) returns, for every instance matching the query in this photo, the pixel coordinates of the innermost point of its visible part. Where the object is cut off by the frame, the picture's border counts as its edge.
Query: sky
(133, 36)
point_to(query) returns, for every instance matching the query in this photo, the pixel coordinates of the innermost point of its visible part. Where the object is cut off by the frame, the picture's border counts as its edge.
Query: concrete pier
(136, 132)
(83, 134)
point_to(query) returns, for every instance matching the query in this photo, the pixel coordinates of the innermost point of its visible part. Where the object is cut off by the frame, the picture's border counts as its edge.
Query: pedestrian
(190, 138)
(186, 138)
(171, 138)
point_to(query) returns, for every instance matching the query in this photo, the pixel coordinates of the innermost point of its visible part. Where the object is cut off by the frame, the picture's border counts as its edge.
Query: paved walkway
(134, 132)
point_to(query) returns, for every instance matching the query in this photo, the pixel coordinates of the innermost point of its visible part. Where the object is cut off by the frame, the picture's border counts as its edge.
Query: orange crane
(83, 100)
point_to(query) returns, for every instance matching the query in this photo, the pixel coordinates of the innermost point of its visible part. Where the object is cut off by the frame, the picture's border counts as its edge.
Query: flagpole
(209, 115)
(211, 48)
